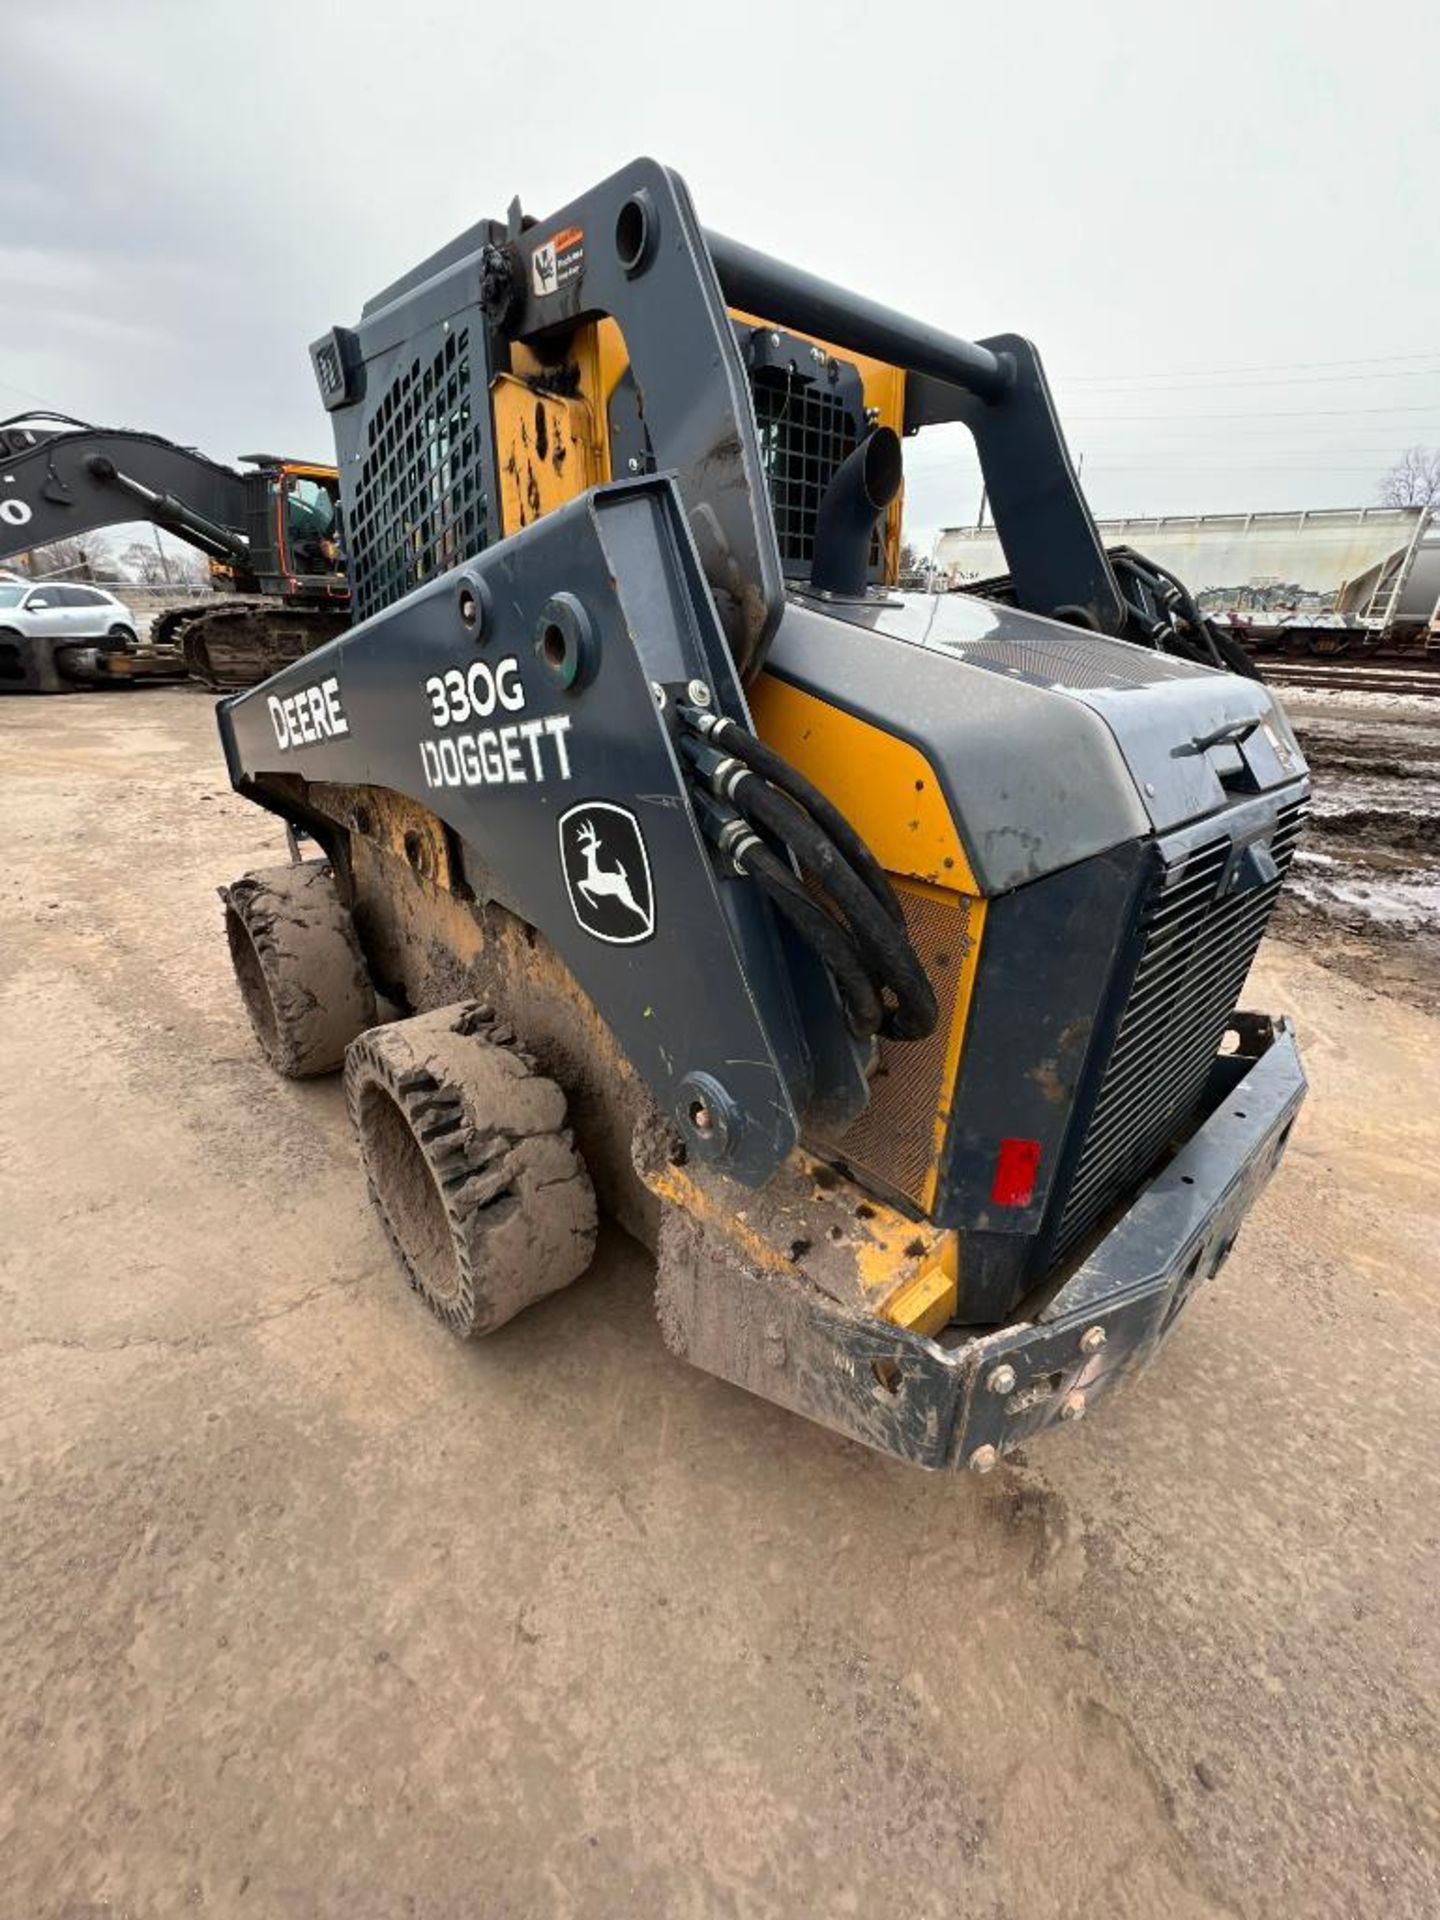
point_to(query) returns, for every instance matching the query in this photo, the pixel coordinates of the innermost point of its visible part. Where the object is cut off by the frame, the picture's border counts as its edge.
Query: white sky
(192, 190)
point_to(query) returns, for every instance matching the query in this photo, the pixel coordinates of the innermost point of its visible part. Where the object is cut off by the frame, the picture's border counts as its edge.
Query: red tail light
(1016, 1165)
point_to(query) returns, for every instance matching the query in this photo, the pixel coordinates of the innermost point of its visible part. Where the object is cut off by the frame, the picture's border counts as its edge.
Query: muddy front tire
(471, 1166)
(298, 966)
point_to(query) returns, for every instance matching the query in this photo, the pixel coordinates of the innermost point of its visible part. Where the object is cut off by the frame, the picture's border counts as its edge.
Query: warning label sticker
(557, 260)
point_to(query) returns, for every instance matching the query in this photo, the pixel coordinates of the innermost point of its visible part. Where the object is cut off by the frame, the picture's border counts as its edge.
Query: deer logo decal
(607, 872)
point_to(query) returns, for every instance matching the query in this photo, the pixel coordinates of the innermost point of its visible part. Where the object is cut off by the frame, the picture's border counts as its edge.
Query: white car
(63, 614)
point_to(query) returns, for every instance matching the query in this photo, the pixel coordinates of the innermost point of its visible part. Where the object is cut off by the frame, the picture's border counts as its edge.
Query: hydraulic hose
(884, 948)
(864, 1011)
(881, 945)
(1164, 633)
(1222, 647)
(1141, 589)
(778, 771)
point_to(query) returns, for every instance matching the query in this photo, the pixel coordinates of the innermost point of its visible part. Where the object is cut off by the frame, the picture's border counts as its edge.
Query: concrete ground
(307, 1610)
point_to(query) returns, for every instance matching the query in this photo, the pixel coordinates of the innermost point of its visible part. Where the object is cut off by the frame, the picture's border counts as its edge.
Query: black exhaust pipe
(860, 490)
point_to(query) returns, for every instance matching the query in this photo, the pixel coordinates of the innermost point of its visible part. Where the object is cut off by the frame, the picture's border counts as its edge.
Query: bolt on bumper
(964, 1401)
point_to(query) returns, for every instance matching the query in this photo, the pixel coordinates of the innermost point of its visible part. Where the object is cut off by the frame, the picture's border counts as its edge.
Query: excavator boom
(274, 530)
(68, 481)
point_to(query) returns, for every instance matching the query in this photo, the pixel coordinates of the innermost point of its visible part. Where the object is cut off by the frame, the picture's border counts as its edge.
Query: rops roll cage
(538, 279)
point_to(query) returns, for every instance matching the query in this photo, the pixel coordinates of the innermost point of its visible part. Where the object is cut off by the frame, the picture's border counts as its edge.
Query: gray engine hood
(1052, 744)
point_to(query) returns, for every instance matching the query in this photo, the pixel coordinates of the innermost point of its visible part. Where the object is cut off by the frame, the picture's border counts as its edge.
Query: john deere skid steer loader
(875, 957)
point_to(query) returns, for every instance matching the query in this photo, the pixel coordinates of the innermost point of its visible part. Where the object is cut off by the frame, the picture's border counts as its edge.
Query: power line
(1182, 467)
(11, 386)
(1270, 413)
(1202, 460)
(1203, 429)
(1100, 444)
(1197, 385)
(1273, 366)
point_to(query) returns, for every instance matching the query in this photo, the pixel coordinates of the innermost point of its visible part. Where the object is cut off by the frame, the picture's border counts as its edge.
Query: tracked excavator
(271, 534)
(875, 957)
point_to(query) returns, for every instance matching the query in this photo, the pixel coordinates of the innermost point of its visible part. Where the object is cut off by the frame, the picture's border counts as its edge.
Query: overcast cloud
(191, 192)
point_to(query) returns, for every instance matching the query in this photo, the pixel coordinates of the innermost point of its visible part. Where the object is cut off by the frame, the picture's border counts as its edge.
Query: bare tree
(917, 568)
(1414, 480)
(143, 563)
(188, 568)
(87, 558)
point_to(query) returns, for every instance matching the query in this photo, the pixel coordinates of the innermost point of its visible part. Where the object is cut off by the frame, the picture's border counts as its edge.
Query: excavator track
(242, 639)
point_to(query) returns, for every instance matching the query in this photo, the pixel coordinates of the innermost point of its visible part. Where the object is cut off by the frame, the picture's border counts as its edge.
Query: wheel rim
(406, 1189)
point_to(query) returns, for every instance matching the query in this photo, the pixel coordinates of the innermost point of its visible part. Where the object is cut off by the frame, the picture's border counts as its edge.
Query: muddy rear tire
(298, 966)
(471, 1166)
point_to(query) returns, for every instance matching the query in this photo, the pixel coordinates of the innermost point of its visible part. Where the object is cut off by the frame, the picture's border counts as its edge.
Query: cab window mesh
(419, 503)
(805, 431)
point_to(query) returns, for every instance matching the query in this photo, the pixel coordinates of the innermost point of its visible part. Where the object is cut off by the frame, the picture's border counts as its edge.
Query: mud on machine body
(873, 956)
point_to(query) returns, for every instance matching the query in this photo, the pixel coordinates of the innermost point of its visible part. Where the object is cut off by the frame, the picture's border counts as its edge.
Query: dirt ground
(307, 1610)
(1365, 893)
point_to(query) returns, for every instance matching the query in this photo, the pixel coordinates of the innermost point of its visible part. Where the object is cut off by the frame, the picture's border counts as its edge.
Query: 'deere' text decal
(308, 715)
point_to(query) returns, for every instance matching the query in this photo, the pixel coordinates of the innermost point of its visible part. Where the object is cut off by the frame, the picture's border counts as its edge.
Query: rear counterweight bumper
(965, 1400)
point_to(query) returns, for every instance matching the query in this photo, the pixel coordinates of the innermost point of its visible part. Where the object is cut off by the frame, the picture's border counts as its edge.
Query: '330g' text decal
(516, 753)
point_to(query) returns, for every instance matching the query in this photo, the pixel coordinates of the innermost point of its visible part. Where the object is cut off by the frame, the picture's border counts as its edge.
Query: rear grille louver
(1197, 949)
